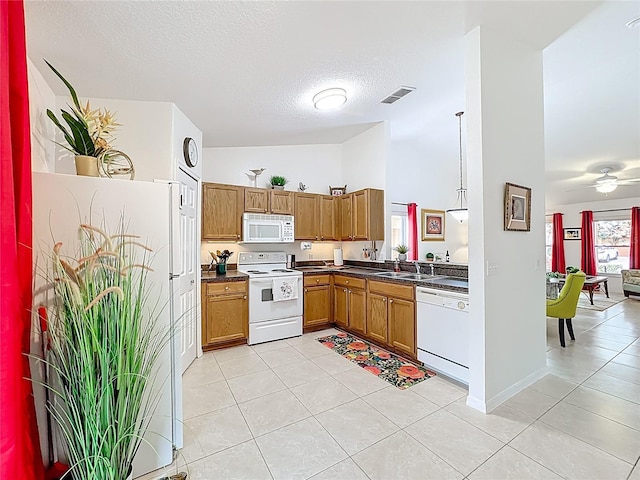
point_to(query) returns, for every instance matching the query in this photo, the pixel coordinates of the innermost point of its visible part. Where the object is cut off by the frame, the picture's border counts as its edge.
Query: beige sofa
(631, 282)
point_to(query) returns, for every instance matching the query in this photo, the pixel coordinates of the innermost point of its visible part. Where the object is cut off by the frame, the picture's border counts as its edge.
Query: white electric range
(275, 296)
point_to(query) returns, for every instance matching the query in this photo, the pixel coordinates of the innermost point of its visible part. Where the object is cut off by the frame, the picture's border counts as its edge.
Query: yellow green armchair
(564, 307)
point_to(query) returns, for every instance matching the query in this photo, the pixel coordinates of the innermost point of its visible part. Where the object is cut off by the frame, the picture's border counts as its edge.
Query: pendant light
(461, 212)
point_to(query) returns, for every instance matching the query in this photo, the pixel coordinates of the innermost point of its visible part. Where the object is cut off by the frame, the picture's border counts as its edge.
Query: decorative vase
(278, 187)
(221, 268)
(402, 257)
(87, 166)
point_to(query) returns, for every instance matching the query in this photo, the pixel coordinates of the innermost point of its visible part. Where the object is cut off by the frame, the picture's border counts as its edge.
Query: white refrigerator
(150, 209)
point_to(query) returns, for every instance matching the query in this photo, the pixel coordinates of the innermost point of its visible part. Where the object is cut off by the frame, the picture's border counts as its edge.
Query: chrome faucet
(431, 266)
(417, 268)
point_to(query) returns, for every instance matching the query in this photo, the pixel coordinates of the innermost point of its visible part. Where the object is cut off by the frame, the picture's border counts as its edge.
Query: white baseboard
(487, 406)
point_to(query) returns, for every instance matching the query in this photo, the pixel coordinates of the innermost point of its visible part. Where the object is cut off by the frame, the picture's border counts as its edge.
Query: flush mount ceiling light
(461, 212)
(330, 99)
(607, 183)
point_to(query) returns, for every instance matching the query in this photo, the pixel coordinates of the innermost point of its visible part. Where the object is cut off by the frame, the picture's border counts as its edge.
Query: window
(399, 231)
(612, 242)
(548, 235)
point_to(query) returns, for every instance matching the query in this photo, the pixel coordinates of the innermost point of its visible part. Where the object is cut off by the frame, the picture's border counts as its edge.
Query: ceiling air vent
(398, 94)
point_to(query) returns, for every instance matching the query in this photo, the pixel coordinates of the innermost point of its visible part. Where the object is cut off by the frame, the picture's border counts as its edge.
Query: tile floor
(293, 409)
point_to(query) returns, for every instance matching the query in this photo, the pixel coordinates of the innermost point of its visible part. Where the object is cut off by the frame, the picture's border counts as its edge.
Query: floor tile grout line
(604, 416)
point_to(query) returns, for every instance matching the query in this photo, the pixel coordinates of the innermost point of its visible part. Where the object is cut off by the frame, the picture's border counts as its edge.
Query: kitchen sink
(452, 282)
(394, 274)
(422, 276)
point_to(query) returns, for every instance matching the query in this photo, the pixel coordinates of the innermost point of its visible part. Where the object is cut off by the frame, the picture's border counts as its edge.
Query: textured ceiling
(245, 72)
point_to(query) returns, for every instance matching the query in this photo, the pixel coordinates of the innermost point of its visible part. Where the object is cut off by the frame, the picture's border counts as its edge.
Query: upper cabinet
(281, 202)
(222, 207)
(261, 200)
(256, 200)
(354, 216)
(316, 217)
(362, 215)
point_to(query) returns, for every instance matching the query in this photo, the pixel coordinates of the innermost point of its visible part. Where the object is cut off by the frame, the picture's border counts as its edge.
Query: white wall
(145, 136)
(364, 159)
(505, 130)
(317, 166)
(182, 128)
(41, 98)
(425, 170)
(571, 218)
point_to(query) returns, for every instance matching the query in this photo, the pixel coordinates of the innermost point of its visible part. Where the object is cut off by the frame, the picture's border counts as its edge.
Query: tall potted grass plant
(105, 341)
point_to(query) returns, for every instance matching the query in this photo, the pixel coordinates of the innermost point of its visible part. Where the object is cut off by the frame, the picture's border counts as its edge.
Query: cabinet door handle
(345, 290)
(390, 301)
(244, 298)
(346, 281)
(322, 237)
(306, 290)
(317, 280)
(226, 288)
(384, 299)
(238, 236)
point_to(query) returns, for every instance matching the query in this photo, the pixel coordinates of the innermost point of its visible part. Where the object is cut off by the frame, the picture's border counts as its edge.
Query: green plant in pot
(105, 340)
(278, 182)
(430, 257)
(402, 252)
(88, 132)
(571, 269)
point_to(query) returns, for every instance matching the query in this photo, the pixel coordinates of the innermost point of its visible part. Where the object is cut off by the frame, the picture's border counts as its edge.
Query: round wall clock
(190, 151)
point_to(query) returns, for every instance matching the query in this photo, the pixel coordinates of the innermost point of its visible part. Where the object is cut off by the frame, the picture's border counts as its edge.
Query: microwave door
(265, 232)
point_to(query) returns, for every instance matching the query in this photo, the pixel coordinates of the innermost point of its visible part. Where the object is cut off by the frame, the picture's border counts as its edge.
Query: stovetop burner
(284, 270)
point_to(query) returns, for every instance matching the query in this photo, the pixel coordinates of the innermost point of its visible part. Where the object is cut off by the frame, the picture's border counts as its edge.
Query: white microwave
(258, 228)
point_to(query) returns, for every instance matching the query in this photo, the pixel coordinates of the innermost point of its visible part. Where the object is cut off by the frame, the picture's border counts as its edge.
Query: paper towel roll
(337, 256)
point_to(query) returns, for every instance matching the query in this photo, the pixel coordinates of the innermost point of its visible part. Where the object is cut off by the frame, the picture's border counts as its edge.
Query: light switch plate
(492, 269)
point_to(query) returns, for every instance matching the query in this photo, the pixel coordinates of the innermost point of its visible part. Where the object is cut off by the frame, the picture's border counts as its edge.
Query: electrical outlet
(305, 246)
(311, 256)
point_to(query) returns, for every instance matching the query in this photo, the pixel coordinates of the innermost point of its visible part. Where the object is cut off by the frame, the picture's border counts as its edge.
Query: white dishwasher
(443, 331)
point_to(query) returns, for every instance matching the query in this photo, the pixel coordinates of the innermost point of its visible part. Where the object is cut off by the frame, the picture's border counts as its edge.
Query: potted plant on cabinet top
(88, 132)
(105, 340)
(402, 252)
(278, 182)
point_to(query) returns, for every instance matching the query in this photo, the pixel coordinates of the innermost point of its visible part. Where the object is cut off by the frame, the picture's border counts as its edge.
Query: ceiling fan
(608, 183)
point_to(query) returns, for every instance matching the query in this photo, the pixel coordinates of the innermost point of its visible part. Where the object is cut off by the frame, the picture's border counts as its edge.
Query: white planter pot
(402, 257)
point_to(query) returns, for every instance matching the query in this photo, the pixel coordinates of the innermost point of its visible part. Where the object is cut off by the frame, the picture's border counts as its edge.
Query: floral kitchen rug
(386, 365)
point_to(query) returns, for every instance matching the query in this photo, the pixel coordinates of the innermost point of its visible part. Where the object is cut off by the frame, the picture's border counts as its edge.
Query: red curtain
(19, 447)
(557, 250)
(634, 255)
(588, 259)
(412, 216)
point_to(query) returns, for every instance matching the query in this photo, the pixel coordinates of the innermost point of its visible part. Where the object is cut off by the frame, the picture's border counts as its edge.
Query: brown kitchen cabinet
(350, 303)
(222, 207)
(317, 301)
(391, 316)
(262, 200)
(225, 314)
(256, 200)
(281, 202)
(306, 216)
(316, 217)
(362, 215)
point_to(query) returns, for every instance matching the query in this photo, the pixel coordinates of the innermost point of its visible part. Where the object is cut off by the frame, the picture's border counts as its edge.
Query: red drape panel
(412, 217)
(19, 449)
(557, 250)
(634, 254)
(588, 258)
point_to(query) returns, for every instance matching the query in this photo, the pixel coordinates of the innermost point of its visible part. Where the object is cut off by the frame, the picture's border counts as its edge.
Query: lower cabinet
(391, 316)
(350, 303)
(225, 314)
(317, 301)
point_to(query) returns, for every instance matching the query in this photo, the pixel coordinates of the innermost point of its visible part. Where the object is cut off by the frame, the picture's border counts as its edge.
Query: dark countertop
(230, 276)
(370, 273)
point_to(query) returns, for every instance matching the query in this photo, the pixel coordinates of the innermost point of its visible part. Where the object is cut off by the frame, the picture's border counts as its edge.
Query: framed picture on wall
(432, 225)
(517, 207)
(572, 233)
